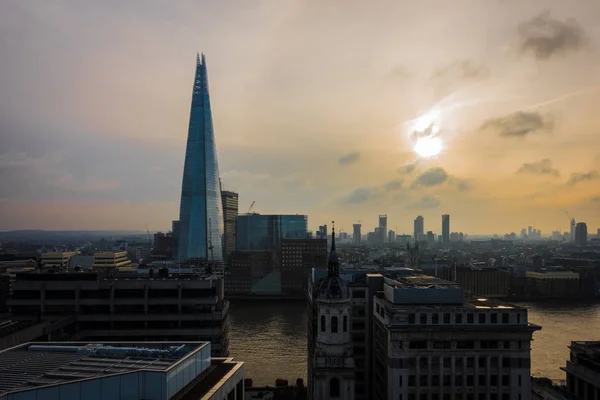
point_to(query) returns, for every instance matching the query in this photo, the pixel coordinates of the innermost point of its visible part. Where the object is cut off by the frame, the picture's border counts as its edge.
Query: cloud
(401, 72)
(408, 168)
(349, 158)
(426, 201)
(596, 199)
(360, 195)
(542, 167)
(578, 177)
(463, 69)
(462, 185)
(545, 36)
(519, 124)
(394, 185)
(432, 177)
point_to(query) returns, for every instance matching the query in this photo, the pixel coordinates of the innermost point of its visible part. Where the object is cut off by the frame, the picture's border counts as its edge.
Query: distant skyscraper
(230, 212)
(419, 228)
(573, 229)
(391, 236)
(265, 232)
(445, 229)
(357, 234)
(581, 234)
(383, 227)
(200, 213)
(430, 237)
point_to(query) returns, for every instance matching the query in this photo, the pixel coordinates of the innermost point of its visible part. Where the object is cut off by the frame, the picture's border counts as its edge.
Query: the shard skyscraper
(200, 214)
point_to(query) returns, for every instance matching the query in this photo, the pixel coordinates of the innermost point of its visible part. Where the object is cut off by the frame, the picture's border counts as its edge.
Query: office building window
(334, 387)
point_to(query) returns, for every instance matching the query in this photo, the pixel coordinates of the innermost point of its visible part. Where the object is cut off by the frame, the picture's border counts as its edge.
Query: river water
(270, 337)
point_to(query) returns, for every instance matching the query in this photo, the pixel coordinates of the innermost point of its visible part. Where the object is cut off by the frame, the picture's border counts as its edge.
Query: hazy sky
(312, 103)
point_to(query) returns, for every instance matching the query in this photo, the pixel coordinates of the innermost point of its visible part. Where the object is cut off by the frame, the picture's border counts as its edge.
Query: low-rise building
(583, 370)
(482, 281)
(125, 370)
(57, 259)
(298, 258)
(428, 340)
(127, 307)
(111, 259)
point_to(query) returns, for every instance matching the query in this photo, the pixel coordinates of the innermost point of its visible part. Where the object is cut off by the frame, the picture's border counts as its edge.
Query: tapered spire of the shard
(200, 214)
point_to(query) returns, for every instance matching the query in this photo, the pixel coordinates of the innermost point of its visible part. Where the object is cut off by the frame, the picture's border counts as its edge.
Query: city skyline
(101, 143)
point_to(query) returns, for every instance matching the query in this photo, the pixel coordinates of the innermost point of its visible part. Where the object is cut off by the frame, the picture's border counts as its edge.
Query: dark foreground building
(126, 307)
(118, 371)
(583, 371)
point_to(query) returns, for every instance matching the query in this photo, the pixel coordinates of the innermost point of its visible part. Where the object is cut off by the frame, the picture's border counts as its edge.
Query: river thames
(271, 337)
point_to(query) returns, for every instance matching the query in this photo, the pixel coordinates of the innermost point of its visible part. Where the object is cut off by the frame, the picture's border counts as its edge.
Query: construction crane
(251, 206)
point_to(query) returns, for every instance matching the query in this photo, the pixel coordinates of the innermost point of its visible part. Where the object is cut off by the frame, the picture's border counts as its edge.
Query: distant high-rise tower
(573, 223)
(581, 234)
(200, 213)
(419, 228)
(356, 234)
(383, 227)
(445, 229)
(230, 212)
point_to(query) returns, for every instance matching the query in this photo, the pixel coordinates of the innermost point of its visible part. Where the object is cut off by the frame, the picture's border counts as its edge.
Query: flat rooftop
(39, 364)
(425, 282)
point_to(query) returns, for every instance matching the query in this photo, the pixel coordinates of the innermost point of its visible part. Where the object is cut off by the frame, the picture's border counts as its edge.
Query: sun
(428, 146)
(425, 134)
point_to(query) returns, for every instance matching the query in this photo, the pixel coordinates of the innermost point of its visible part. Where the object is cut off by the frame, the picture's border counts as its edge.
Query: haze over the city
(486, 110)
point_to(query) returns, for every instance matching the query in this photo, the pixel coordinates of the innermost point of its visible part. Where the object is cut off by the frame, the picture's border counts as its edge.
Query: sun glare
(427, 120)
(428, 146)
(425, 129)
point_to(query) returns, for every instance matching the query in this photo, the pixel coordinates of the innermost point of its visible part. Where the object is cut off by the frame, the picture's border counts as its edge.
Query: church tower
(333, 364)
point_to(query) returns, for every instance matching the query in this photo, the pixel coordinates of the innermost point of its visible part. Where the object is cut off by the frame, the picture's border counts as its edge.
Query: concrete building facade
(428, 341)
(127, 307)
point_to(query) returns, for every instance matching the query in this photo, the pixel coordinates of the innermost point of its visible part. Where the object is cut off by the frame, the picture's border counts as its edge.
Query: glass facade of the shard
(200, 213)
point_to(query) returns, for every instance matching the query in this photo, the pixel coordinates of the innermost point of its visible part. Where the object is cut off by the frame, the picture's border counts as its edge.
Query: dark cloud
(463, 69)
(431, 177)
(462, 185)
(407, 169)
(596, 199)
(578, 177)
(394, 185)
(545, 36)
(360, 195)
(519, 124)
(426, 201)
(349, 158)
(542, 167)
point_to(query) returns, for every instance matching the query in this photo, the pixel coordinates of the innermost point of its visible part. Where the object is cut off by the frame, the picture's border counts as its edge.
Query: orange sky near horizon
(312, 103)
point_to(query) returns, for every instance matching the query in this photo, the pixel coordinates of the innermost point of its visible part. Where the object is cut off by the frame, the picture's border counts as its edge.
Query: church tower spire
(333, 265)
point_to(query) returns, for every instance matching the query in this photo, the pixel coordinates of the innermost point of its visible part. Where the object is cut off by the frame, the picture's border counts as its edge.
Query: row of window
(434, 363)
(334, 324)
(448, 396)
(446, 318)
(462, 344)
(459, 380)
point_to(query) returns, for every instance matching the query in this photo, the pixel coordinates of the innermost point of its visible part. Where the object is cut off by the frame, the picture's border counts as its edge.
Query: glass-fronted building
(265, 232)
(200, 213)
